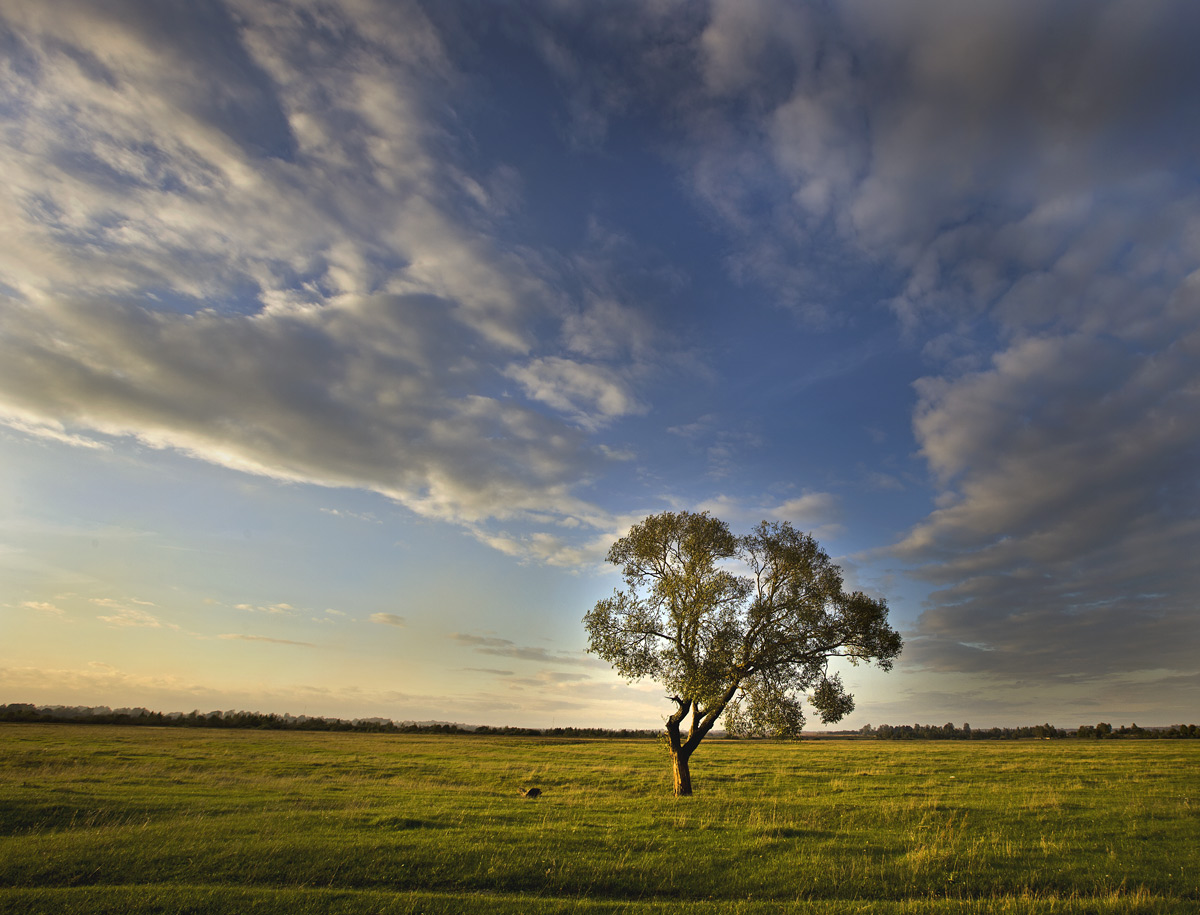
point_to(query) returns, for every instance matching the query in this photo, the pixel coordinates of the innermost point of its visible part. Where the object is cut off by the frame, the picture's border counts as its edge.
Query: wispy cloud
(50, 430)
(508, 649)
(237, 636)
(124, 615)
(358, 516)
(591, 395)
(280, 609)
(387, 619)
(816, 512)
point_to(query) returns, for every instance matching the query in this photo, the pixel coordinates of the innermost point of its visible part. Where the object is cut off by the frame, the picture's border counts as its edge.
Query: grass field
(135, 820)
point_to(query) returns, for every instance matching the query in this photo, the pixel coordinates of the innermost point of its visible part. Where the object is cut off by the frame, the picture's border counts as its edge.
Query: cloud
(126, 616)
(273, 264)
(604, 328)
(591, 395)
(814, 511)
(387, 619)
(883, 482)
(605, 57)
(723, 443)
(96, 680)
(1021, 175)
(273, 609)
(553, 679)
(1063, 542)
(358, 516)
(42, 606)
(960, 146)
(550, 549)
(50, 430)
(236, 636)
(506, 648)
(302, 263)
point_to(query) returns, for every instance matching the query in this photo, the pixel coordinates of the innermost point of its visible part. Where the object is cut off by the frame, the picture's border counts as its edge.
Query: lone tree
(744, 646)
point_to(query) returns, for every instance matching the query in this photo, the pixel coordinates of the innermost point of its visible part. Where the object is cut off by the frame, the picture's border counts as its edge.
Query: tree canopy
(743, 627)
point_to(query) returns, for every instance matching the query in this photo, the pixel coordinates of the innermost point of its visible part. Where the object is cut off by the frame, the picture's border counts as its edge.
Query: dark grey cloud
(1064, 544)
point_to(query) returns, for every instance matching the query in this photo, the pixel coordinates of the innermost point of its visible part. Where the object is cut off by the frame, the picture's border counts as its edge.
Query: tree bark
(679, 769)
(679, 751)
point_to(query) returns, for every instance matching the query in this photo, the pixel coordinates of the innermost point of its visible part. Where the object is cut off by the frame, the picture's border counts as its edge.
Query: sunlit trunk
(683, 778)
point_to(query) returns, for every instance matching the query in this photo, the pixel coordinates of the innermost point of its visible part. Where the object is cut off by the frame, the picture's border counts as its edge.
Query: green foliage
(136, 820)
(743, 646)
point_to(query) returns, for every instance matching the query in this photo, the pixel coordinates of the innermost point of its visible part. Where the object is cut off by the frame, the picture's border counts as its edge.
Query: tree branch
(645, 633)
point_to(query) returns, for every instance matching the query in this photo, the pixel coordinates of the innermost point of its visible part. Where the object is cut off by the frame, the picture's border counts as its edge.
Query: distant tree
(743, 646)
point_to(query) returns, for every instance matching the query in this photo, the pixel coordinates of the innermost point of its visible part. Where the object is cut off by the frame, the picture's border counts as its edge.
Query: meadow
(98, 819)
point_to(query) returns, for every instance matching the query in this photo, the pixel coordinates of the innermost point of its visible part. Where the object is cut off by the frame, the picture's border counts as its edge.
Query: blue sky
(338, 340)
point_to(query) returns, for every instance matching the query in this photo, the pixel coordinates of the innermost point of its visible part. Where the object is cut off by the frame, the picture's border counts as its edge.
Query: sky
(339, 339)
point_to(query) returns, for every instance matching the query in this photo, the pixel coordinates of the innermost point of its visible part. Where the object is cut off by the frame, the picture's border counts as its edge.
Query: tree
(746, 646)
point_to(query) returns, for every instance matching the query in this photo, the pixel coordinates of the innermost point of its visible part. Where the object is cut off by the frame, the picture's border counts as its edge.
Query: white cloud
(551, 549)
(51, 430)
(589, 394)
(387, 619)
(816, 512)
(277, 609)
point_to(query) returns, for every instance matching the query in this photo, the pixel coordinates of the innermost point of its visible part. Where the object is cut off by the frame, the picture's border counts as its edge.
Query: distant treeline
(1101, 731)
(20, 711)
(622, 734)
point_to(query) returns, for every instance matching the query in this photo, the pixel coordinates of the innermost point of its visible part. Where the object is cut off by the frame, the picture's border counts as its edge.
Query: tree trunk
(679, 768)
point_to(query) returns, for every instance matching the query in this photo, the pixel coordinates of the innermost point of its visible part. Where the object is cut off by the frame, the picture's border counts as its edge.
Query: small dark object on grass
(531, 792)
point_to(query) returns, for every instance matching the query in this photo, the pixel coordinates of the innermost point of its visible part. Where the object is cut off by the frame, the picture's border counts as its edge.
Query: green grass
(134, 820)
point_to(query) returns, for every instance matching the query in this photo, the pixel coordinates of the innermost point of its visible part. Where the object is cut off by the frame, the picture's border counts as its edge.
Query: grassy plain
(137, 820)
